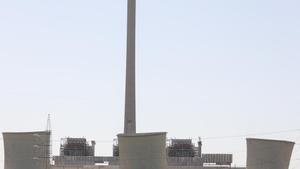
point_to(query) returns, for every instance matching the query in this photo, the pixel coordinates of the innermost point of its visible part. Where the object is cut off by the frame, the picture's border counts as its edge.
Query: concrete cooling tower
(30, 150)
(268, 154)
(143, 151)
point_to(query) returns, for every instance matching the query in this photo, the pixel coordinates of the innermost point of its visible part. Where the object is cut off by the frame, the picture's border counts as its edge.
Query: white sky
(204, 68)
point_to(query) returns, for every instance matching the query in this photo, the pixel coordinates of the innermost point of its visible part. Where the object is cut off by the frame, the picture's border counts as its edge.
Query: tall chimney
(129, 121)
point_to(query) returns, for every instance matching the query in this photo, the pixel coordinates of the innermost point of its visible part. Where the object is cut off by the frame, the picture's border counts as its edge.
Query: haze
(204, 69)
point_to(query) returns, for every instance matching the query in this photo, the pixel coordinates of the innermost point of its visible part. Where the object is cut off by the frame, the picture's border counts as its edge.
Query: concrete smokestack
(129, 121)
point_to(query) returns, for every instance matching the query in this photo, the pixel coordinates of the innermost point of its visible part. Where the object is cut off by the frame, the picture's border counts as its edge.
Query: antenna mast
(48, 127)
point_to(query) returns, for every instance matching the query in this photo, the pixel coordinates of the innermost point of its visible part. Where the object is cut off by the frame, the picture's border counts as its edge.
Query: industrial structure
(182, 148)
(27, 150)
(146, 150)
(143, 150)
(75, 152)
(179, 152)
(265, 154)
(77, 147)
(129, 118)
(135, 150)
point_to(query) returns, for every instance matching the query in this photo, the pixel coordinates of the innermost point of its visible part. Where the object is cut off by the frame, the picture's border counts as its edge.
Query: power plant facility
(32, 150)
(131, 150)
(179, 152)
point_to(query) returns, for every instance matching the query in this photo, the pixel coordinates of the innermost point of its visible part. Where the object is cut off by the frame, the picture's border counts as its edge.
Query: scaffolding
(77, 147)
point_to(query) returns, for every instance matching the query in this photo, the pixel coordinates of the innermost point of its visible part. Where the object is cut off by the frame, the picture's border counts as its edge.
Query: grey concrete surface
(28, 150)
(170, 167)
(268, 154)
(129, 120)
(143, 151)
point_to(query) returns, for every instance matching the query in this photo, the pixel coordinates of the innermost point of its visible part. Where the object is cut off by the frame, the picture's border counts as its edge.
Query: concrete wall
(170, 167)
(74, 160)
(86, 167)
(84, 160)
(26, 150)
(143, 151)
(268, 154)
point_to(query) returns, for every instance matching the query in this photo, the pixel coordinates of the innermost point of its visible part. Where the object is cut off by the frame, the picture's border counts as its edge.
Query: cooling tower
(268, 154)
(28, 150)
(143, 151)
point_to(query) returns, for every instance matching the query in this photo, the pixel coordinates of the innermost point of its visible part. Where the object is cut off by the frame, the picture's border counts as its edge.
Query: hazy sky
(204, 68)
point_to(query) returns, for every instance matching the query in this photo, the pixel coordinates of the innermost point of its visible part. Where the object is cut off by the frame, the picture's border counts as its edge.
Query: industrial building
(75, 152)
(182, 148)
(183, 154)
(135, 150)
(179, 152)
(77, 147)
